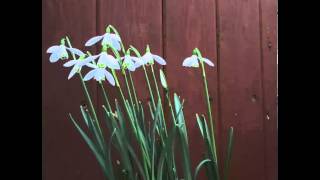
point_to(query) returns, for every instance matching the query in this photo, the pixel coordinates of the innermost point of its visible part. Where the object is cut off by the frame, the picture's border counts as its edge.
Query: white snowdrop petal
(106, 39)
(112, 62)
(115, 37)
(93, 40)
(159, 59)
(52, 49)
(190, 61)
(103, 58)
(132, 67)
(138, 63)
(128, 60)
(89, 75)
(73, 72)
(90, 59)
(54, 57)
(109, 77)
(70, 63)
(147, 57)
(210, 63)
(99, 74)
(115, 44)
(76, 51)
(135, 59)
(91, 65)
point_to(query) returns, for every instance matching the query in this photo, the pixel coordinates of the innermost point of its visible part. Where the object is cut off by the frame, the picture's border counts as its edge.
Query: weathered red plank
(188, 25)
(241, 86)
(139, 24)
(65, 155)
(269, 56)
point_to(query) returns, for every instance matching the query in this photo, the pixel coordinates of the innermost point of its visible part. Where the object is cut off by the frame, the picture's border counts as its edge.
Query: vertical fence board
(188, 25)
(240, 86)
(65, 155)
(139, 24)
(269, 56)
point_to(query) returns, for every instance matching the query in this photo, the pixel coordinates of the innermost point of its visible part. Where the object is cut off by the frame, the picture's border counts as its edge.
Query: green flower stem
(146, 76)
(93, 112)
(159, 97)
(129, 92)
(171, 109)
(102, 144)
(134, 90)
(105, 97)
(149, 87)
(115, 52)
(210, 115)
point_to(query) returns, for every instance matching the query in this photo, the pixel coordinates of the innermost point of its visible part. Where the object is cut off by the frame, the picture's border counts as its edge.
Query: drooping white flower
(99, 73)
(193, 61)
(57, 52)
(130, 62)
(108, 60)
(107, 39)
(149, 58)
(77, 64)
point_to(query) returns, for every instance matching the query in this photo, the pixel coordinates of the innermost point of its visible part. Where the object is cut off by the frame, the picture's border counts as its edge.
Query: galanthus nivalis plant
(145, 144)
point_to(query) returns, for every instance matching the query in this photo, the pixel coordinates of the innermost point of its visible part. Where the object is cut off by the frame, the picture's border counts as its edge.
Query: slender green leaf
(183, 139)
(203, 162)
(92, 146)
(110, 166)
(229, 152)
(136, 160)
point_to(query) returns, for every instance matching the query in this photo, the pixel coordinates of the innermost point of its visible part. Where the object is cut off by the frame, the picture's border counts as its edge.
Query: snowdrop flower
(58, 52)
(77, 64)
(130, 62)
(108, 60)
(193, 61)
(99, 73)
(149, 58)
(107, 39)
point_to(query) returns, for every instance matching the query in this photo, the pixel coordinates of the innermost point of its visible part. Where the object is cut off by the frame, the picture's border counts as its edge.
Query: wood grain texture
(241, 86)
(268, 10)
(65, 155)
(188, 25)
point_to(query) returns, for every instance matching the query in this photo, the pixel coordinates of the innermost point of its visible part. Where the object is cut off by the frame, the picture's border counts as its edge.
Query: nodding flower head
(129, 62)
(78, 63)
(110, 39)
(193, 61)
(58, 52)
(99, 72)
(149, 58)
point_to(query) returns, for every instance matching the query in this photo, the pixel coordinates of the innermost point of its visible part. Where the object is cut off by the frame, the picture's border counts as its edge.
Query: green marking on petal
(100, 65)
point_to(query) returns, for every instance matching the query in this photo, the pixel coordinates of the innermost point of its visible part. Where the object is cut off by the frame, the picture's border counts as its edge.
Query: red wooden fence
(239, 36)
